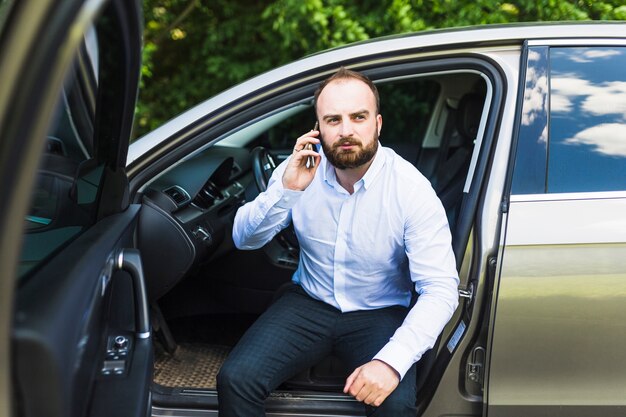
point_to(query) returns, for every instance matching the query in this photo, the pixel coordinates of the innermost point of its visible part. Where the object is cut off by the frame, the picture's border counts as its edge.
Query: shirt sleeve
(433, 270)
(258, 221)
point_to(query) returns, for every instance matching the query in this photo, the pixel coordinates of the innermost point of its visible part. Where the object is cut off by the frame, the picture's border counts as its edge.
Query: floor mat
(194, 365)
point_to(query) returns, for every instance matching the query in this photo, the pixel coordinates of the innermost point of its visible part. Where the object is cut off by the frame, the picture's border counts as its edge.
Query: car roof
(415, 42)
(504, 33)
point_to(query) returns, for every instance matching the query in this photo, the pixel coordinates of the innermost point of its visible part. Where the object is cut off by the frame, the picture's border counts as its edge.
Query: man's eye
(359, 117)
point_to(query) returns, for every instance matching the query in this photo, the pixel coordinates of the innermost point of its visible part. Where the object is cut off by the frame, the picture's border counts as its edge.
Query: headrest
(468, 115)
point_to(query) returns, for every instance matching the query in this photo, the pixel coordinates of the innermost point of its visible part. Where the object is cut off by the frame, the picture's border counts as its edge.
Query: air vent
(208, 195)
(235, 170)
(177, 194)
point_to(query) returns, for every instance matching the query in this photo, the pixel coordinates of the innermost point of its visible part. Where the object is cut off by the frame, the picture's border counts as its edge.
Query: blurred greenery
(194, 49)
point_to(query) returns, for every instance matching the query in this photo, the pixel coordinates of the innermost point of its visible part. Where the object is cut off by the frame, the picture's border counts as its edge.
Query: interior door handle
(129, 260)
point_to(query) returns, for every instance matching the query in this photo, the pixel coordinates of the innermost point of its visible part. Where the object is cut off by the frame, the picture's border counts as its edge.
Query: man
(371, 230)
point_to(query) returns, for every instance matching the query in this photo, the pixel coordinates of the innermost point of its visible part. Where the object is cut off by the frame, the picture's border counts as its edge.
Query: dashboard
(187, 214)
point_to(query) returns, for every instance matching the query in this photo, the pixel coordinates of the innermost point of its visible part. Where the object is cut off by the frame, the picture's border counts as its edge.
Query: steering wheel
(262, 167)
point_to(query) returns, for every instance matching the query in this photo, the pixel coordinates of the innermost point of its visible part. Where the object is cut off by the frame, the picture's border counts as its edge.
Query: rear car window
(572, 135)
(587, 120)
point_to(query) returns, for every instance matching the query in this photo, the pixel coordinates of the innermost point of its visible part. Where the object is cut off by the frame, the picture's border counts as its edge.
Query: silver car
(121, 290)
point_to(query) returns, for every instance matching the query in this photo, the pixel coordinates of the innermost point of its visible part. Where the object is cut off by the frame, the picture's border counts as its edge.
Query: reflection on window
(63, 202)
(587, 120)
(532, 152)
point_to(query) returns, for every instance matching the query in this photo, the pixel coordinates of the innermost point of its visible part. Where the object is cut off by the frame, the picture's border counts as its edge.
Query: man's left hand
(372, 383)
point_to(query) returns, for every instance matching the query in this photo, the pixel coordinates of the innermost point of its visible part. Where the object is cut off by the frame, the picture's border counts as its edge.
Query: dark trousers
(297, 332)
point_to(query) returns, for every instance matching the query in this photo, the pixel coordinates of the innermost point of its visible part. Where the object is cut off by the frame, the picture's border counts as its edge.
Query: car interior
(205, 293)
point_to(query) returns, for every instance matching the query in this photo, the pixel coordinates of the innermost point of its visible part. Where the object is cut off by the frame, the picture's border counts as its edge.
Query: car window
(587, 149)
(64, 197)
(573, 122)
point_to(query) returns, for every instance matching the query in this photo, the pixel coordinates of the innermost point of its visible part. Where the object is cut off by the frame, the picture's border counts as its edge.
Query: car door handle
(129, 260)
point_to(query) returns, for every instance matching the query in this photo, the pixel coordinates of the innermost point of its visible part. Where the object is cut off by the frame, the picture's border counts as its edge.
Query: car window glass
(283, 135)
(587, 120)
(64, 198)
(5, 7)
(532, 140)
(245, 135)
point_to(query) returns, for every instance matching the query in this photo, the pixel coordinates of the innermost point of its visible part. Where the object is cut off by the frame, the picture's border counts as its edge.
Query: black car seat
(456, 151)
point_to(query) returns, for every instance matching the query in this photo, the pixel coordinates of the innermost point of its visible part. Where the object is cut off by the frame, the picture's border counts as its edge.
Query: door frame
(39, 39)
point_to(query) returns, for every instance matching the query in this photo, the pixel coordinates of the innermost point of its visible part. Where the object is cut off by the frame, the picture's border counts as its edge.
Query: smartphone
(310, 163)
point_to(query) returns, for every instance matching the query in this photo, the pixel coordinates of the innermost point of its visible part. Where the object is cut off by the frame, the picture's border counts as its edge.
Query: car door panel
(562, 291)
(66, 314)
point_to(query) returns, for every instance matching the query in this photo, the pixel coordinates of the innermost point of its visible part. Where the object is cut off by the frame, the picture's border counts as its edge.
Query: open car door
(75, 333)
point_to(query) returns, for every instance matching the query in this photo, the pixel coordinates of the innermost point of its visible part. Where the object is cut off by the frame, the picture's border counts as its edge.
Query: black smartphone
(310, 163)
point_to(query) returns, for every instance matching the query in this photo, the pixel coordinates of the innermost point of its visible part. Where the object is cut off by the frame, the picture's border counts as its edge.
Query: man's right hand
(297, 176)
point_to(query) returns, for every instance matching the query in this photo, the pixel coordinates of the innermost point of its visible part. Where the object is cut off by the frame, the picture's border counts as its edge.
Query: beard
(342, 159)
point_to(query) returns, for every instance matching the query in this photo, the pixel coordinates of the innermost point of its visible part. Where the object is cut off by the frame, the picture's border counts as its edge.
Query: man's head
(343, 74)
(347, 108)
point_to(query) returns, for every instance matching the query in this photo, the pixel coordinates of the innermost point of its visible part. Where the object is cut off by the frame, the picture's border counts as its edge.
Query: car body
(519, 128)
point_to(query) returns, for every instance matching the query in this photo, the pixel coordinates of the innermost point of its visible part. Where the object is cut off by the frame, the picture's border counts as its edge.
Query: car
(121, 289)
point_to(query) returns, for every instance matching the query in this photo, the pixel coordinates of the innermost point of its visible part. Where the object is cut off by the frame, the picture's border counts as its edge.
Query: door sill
(191, 402)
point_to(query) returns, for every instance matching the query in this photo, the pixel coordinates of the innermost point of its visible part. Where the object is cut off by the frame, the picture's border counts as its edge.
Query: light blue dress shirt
(368, 249)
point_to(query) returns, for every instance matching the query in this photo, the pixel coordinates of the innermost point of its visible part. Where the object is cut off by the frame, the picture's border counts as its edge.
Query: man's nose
(347, 128)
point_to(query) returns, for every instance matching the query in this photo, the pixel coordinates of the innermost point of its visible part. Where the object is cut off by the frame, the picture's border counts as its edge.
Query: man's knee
(226, 377)
(239, 378)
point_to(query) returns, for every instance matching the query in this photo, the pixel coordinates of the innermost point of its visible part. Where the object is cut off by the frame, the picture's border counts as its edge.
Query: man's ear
(379, 120)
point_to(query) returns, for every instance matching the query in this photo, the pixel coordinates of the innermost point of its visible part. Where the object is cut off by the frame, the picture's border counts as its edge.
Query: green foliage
(194, 49)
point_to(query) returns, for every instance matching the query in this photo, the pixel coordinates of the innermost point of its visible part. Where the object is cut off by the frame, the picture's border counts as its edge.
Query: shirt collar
(375, 168)
(330, 177)
(328, 171)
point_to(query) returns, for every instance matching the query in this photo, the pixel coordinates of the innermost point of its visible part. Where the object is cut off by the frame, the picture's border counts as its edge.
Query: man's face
(349, 123)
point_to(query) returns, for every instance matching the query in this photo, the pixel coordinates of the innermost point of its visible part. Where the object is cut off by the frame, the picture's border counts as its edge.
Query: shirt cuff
(289, 198)
(396, 356)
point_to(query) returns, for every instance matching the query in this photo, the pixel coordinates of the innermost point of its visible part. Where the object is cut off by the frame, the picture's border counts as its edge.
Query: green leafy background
(194, 49)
